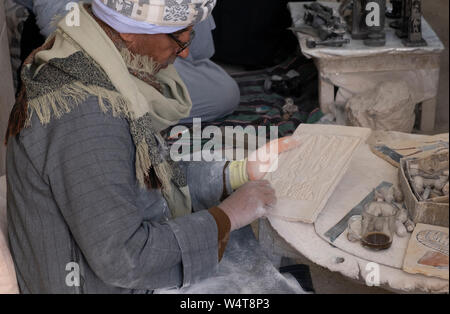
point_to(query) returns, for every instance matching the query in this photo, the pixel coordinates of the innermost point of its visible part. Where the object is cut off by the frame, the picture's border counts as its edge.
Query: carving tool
(329, 43)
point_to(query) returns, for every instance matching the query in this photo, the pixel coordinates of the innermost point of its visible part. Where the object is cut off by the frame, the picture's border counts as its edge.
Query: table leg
(326, 95)
(266, 242)
(428, 118)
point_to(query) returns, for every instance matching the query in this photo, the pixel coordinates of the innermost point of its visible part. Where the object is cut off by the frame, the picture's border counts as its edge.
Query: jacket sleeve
(90, 169)
(205, 181)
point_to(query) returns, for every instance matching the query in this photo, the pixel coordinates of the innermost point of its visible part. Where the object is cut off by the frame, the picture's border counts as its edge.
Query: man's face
(160, 47)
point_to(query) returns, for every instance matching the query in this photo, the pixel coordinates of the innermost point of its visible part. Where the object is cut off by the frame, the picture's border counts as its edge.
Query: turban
(152, 16)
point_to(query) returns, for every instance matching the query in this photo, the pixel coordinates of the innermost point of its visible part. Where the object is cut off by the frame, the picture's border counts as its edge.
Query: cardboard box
(433, 211)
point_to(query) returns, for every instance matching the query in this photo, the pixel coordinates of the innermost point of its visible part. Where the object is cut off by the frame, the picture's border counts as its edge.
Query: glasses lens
(183, 46)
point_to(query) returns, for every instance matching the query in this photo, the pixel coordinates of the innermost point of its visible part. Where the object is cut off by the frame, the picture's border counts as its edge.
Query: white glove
(248, 203)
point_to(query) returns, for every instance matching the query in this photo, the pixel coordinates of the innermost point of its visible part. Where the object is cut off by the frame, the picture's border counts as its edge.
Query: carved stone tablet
(427, 252)
(307, 176)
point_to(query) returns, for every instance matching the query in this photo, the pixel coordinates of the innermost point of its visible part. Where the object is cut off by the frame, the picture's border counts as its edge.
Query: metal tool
(305, 29)
(329, 43)
(340, 227)
(322, 19)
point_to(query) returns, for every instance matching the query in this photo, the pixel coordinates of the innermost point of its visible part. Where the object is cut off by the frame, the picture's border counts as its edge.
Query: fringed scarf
(78, 62)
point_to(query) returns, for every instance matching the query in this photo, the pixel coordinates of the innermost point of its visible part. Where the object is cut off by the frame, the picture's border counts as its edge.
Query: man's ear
(131, 41)
(127, 37)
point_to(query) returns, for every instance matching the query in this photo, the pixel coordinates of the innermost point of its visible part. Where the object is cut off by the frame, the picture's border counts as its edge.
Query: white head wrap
(152, 16)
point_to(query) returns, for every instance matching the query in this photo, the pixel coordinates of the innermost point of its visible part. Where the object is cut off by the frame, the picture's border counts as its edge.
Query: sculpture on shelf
(374, 21)
(359, 30)
(367, 20)
(413, 24)
(402, 31)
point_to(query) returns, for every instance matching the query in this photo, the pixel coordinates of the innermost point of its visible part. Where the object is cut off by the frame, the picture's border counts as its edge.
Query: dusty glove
(259, 162)
(248, 203)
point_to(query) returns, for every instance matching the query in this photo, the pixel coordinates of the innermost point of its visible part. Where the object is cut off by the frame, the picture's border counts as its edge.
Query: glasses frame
(182, 46)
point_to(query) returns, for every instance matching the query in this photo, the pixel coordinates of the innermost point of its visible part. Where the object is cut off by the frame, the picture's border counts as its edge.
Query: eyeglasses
(182, 46)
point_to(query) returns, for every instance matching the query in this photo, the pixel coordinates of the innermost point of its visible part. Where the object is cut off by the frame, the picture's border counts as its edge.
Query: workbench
(354, 68)
(297, 240)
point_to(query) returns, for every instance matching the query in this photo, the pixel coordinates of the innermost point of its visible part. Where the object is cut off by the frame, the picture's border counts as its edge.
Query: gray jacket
(75, 207)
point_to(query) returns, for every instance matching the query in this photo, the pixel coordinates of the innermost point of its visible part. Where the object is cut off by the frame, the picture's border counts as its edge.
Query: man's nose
(184, 54)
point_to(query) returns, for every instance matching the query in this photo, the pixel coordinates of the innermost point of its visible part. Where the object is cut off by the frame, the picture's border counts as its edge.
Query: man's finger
(276, 147)
(287, 143)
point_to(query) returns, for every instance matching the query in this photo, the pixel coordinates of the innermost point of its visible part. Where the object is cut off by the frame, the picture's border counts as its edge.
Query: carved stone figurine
(402, 31)
(430, 188)
(412, 24)
(359, 30)
(374, 22)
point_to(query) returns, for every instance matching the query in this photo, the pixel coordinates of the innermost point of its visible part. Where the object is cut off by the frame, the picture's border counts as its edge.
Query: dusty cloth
(388, 107)
(72, 66)
(243, 256)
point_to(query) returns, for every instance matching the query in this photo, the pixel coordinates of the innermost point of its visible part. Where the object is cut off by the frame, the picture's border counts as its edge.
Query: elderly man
(91, 186)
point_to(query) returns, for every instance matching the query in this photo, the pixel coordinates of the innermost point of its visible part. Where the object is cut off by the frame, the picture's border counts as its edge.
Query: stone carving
(307, 176)
(427, 252)
(436, 240)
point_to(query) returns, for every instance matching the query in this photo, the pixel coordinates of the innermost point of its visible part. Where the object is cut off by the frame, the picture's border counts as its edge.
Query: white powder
(243, 270)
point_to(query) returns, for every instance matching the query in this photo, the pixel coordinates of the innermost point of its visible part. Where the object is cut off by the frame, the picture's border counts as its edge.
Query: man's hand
(248, 203)
(265, 158)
